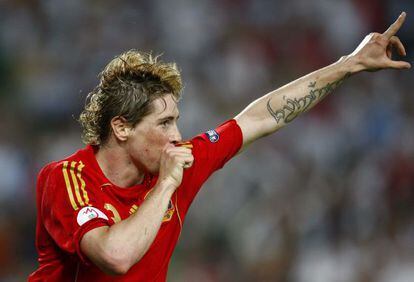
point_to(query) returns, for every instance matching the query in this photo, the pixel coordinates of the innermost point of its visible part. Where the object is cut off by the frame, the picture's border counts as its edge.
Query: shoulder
(67, 181)
(62, 170)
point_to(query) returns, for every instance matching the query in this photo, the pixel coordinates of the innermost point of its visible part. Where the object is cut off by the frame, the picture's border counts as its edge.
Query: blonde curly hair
(128, 86)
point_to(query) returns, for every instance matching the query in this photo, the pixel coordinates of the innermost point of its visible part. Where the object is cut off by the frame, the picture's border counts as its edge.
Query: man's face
(149, 136)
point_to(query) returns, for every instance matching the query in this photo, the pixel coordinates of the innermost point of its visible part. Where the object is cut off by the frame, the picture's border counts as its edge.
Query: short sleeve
(68, 208)
(211, 150)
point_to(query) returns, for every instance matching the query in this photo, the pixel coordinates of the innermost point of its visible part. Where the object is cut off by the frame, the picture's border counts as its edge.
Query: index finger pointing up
(392, 30)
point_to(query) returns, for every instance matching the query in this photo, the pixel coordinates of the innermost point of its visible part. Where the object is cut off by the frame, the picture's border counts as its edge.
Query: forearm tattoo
(294, 107)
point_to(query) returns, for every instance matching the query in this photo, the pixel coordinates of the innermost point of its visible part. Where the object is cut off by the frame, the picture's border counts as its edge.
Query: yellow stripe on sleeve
(79, 175)
(75, 183)
(68, 186)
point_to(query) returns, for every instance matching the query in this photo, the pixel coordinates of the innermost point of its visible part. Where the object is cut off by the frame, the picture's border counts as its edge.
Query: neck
(118, 167)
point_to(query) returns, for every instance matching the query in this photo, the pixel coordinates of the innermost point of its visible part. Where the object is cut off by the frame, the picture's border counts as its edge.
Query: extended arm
(274, 110)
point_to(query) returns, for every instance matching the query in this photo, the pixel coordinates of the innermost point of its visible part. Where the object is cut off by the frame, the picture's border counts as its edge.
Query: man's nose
(175, 136)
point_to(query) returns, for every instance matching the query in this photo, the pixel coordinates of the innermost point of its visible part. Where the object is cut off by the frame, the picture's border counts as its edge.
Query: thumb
(398, 64)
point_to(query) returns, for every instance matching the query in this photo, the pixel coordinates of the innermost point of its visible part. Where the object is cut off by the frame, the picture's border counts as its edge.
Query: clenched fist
(174, 159)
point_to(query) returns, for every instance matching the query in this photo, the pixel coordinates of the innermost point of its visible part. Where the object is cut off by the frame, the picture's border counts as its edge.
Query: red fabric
(65, 187)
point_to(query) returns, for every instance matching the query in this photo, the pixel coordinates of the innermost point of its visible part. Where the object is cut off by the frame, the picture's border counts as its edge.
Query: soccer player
(114, 210)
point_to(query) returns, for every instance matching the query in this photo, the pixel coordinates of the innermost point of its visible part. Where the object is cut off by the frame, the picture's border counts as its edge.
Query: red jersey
(74, 197)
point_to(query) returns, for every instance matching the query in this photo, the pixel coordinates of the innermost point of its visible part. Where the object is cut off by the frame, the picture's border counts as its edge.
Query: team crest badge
(169, 213)
(212, 135)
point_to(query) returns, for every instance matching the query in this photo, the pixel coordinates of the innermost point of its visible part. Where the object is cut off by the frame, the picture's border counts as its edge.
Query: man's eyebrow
(171, 117)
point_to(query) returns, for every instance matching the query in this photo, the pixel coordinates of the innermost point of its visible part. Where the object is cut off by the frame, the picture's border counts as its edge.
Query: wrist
(166, 185)
(351, 64)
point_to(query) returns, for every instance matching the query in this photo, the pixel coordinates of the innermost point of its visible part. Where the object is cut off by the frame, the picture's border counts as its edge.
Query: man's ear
(121, 128)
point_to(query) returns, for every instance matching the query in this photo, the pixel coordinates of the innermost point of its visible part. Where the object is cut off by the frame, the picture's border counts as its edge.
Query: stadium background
(328, 198)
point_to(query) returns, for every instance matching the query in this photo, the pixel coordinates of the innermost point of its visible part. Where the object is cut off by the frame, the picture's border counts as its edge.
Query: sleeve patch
(212, 135)
(89, 213)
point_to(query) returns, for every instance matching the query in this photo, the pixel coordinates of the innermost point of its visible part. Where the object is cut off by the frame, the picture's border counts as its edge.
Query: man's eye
(165, 123)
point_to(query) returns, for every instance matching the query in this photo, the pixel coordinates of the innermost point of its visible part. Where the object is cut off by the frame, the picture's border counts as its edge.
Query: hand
(174, 159)
(375, 51)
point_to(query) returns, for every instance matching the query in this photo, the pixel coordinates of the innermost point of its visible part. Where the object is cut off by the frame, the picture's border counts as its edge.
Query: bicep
(254, 125)
(92, 247)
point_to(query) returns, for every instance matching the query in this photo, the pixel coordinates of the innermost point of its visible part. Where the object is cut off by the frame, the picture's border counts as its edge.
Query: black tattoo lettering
(294, 107)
